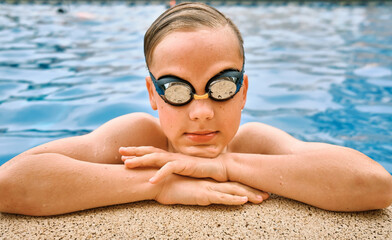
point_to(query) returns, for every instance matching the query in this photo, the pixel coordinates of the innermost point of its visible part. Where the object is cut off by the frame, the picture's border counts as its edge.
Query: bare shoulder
(101, 145)
(135, 129)
(261, 138)
(255, 137)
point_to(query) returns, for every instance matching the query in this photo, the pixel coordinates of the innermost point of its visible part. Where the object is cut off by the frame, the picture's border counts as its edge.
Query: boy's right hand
(191, 191)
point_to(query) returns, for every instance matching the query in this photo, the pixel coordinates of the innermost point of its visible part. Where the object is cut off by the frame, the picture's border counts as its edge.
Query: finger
(166, 170)
(254, 195)
(265, 195)
(184, 167)
(139, 151)
(149, 160)
(124, 158)
(258, 196)
(227, 199)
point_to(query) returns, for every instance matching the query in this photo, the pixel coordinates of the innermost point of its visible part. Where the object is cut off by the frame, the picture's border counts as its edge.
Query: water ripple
(320, 73)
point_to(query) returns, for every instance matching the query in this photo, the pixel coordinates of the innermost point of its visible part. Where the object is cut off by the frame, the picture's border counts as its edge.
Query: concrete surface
(276, 218)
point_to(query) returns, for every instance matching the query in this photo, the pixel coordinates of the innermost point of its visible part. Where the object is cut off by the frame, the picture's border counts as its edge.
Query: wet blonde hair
(186, 16)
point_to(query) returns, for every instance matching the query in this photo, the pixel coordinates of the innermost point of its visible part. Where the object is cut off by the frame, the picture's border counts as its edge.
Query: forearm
(336, 179)
(48, 184)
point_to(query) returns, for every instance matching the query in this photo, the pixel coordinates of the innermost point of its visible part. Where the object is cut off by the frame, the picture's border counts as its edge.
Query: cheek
(229, 117)
(170, 120)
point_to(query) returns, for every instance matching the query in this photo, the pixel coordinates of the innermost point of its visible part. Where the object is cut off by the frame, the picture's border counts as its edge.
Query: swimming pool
(320, 72)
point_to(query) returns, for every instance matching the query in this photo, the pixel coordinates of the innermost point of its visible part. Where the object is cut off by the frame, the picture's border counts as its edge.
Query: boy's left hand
(178, 163)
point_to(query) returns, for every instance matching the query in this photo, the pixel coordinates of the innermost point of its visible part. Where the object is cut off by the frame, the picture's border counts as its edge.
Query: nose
(201, 109)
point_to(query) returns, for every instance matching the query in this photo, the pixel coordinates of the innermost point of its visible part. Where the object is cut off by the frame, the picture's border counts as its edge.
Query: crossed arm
(85, 172)
(327, 176)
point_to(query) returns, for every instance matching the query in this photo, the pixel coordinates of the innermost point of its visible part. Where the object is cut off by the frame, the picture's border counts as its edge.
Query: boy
(197, 83)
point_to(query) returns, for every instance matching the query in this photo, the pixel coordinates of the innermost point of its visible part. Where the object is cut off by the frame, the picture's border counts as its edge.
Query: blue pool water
(321, 73)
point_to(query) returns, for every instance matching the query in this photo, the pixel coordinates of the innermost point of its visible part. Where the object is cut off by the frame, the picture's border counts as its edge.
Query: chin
(202, 151)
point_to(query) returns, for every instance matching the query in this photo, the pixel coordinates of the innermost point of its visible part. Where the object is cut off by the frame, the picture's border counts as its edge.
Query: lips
(201, 136)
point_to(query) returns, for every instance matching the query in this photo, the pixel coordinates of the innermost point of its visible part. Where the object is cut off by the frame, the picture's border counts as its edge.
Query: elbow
(385, 199)
(368, 191)
(380, 193)
(7, 198)
(15, 197)
(374, 187)
(5, 191)
(14, 201)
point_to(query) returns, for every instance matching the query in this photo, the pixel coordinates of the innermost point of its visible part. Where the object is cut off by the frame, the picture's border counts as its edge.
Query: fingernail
(259, 197)
(245, 198)
(152, 180)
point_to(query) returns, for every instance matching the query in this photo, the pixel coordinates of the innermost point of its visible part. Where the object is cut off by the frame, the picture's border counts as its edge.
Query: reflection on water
(320, 73)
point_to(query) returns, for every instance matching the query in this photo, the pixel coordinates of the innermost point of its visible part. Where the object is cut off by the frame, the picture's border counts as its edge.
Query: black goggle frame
(160, 85)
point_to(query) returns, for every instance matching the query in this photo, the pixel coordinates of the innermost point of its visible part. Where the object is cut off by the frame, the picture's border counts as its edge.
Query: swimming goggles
(176, 91)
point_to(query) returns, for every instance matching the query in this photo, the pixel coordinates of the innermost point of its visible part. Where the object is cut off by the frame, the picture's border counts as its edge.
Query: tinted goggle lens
(222, 89)
(178, 93)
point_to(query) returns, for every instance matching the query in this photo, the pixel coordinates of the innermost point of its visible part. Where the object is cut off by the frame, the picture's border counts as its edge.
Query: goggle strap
(157, 87)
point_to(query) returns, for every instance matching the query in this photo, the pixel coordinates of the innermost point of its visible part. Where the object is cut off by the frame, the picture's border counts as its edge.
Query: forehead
(197, 50)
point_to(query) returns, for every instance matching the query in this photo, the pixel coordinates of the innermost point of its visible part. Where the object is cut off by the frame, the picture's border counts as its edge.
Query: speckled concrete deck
(277, 218)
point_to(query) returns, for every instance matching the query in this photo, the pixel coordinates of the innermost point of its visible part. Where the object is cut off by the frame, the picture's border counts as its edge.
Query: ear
(151, 90)
(244, 90)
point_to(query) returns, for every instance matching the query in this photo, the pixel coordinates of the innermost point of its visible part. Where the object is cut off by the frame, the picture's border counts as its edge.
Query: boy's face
(202, 127)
